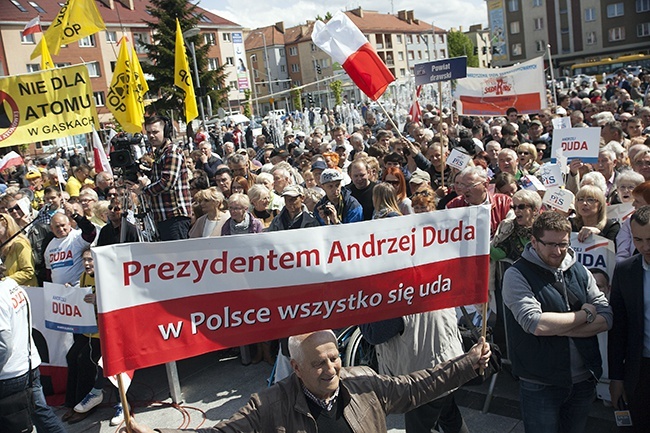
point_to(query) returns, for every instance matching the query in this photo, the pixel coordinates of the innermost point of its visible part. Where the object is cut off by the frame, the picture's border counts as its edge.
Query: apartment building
(99, 51)
(576, 30)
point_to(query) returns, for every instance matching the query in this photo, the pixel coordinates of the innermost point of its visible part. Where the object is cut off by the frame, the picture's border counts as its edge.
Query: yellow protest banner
(76, 19)
(46, 105)
(183, 77)
(122, 99)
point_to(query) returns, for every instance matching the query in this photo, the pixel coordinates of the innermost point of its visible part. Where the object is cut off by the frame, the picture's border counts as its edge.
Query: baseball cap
(536, 122)
(33, 174)
(330, 175)
(319, 165)
(420, 176)
(293, 191)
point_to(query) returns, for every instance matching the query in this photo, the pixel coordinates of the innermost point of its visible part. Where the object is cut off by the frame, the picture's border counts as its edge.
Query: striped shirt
(170, 192)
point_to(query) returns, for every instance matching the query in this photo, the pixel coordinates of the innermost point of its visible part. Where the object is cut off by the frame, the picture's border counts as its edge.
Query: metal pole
(550, 66)
(268, 70)
(198, 84)
(257, 102)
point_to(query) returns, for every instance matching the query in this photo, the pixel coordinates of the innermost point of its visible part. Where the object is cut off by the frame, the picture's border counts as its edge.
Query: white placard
(458, 159)
(620, 212)
(582, 143)
(530, 182)
(558, 198)
(66, 310)
(561, 122)
(596, 252)
(551, 175)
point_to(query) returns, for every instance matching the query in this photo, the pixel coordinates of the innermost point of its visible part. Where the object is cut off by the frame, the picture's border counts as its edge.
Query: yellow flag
(76, 20)
(121, 99)
(183, 76)
(46, 59)
(139, 82)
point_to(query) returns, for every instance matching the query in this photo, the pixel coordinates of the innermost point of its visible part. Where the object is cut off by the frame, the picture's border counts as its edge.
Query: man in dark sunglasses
(111, 232)
(554, 313)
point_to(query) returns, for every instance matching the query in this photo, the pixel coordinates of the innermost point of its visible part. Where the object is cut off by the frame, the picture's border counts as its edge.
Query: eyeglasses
(626, 187)
(561, 245)
(520, 206)
(424, 193)
(459, 185)
(13, 209)
(642, 163)
(588, 200)
(523, 153)
(392, 182)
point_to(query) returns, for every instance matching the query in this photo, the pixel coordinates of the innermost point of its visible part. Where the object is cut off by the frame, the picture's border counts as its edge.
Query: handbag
(16, 409)
(471, 335)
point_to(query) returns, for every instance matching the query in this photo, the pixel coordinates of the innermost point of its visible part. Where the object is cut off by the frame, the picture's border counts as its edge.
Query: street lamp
(257, 102)
(189, 33)
(266, 62)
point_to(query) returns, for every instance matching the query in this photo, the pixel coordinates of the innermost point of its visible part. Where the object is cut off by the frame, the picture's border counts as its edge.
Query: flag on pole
(46, 59)
(33, 26)
(121, 99)
(12, 159)
(76, 20)
(345, 43)
(183, 76)
(127, 376)
(138, 83)
(101, 161)
(416, 112)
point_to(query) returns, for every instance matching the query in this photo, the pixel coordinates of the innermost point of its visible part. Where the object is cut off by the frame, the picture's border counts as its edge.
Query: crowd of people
(549, 306)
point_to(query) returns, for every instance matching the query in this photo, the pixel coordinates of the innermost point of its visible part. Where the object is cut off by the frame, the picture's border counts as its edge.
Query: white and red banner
(582, 143)
(490, 92)
(99, 155)
(160, 302)
(33, 26)
(344, 42)
(11, 159)
(596, 252)
(65, 309)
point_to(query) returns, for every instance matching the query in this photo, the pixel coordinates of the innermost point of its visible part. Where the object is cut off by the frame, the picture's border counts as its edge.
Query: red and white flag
(34, 26)
(99, 153)
(12, 159)
(345, 43)
(127, 377)
(416, 112)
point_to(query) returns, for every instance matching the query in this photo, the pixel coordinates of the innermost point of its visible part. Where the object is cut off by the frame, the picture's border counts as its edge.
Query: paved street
(217, 385)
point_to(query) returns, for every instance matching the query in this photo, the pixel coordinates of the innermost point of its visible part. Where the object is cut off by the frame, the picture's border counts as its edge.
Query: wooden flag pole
(125, 403)
(390, 119)
(484, 313)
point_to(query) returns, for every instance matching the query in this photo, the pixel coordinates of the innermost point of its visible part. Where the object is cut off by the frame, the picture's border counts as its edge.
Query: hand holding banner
(66, 310)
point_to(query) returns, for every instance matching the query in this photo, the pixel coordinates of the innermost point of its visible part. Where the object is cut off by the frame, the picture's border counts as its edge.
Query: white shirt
(63, 258)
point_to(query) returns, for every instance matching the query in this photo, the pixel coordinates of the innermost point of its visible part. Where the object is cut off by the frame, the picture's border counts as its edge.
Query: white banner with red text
(66, 310)
(160, 302)
(491, 91)
(595, 252)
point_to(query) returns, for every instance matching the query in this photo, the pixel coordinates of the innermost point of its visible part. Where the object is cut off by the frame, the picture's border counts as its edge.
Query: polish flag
(345, 43)
(416, 111)
(12, 159)
(101, 161)
(34, 26)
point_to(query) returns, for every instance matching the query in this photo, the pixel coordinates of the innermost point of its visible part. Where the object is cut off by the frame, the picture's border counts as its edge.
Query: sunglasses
(13, 209)
(523, 153)
(519, 206)
(114, 208)
(392, 182)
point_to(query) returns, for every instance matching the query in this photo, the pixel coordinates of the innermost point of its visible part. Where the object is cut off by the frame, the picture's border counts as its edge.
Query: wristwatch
(590, 315)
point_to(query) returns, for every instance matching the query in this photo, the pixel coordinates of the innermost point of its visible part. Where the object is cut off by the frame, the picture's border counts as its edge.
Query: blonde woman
(17, 253)
(384, 201)
(527, 157)
(591, 215)
(213, 218)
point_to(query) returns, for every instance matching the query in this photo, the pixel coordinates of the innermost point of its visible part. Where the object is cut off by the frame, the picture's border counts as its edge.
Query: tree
(160, 53)
(328, 16)
(337, 89)
(247, 103)
(461, 45)
(296, 96)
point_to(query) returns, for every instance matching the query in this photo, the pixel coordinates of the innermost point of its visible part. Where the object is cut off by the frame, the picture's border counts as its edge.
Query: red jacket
(500, 208)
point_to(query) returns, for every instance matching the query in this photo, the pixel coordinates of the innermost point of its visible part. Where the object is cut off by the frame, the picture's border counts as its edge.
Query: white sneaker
(119, 416)
(90, 401)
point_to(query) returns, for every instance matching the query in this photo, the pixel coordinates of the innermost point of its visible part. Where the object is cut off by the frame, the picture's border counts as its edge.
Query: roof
(48, 9)
(272, 36)
(375, 22)
(299, 33)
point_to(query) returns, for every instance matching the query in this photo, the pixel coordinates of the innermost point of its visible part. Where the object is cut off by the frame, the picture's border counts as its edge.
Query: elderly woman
(513, 234)
(260, 198)
(527, 157)
(16, 255)
(641, 162)
(591, 215)
(625, 182)
(241, 220)
(211, 222)
(384, 201)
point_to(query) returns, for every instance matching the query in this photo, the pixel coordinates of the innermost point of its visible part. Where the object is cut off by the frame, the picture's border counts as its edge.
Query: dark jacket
(282, 222)
(352, 210)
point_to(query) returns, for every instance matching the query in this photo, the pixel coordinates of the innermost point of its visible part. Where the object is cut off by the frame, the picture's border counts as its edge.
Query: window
(516, 49)
(513, 5)
(590, 14)
(293, 51)
(226, 37)
(140, 39)
(402, 72)
(642, 5)
(37, 7)
(425, 38)
(295, 67)
(615, 10)
(283, 68)
(409, 39)
(325, 63)
(540, 46)
(537, 3)
(616, 34)
(643, 30)
(591, 38)
(113, 64)
(443, 53)
(313, 48)
(111, 37)
(213, 63)
(419, 55)
(27, 39)
(62, 65)
(399, 39)
(254, 58)
(230, 61)
(297, 83)
(441, 38)
(99, 99)
(88, 41)
(400, 56)
(514, 27)
(33, 67)
(210, 38)
(282, 52)
(233, 85)
(93, 69)
(285, 85)
(410, 55)
(19, 6)
(539, 23)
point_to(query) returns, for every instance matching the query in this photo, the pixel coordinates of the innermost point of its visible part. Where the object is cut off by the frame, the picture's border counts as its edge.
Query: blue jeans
(555, 409)
(43, 416)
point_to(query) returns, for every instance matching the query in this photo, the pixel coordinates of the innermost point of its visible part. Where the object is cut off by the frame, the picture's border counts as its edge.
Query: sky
(260, 13)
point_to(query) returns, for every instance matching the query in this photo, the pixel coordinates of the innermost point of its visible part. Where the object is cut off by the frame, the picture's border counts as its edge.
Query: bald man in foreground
(323, 397)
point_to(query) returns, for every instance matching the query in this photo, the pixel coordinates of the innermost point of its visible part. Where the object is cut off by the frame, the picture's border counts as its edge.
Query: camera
(124, 159)
(327, 211)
